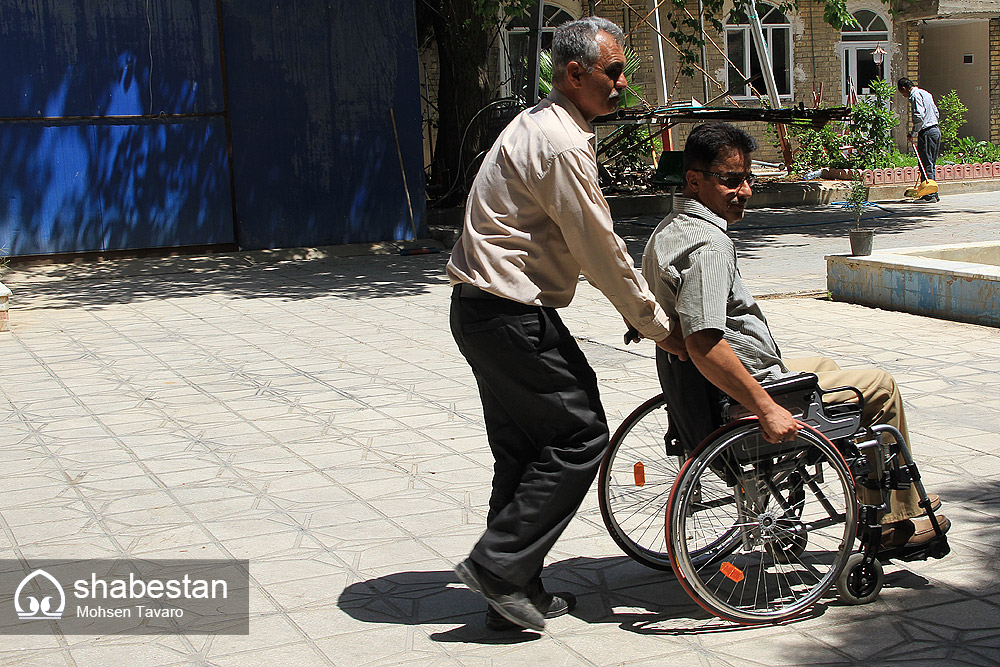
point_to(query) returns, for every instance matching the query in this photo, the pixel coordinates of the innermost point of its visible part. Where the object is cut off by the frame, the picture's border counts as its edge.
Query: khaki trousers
(883, 405)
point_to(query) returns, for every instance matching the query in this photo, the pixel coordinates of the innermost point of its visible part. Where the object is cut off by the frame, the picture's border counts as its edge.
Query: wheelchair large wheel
(795, 508)
(634, 485)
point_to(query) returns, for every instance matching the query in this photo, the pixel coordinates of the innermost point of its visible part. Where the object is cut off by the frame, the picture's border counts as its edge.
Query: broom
(924, 187)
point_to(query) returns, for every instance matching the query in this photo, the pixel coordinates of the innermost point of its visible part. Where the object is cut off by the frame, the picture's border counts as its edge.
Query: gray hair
(577, 41)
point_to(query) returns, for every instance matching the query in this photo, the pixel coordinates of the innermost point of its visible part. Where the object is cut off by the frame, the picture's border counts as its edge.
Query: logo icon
(35, 608)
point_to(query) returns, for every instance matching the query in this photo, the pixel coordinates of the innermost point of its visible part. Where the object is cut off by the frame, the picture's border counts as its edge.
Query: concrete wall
(943, 46)
(922, 281)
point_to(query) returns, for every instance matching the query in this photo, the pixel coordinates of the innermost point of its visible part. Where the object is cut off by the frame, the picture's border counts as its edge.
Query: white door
(858, 66)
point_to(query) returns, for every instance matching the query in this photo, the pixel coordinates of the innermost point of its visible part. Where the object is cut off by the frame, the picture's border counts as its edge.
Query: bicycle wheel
(634, 483)
(794, 506)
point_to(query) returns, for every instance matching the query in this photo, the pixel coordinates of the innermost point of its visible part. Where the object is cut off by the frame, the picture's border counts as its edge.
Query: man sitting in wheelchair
(690, 264)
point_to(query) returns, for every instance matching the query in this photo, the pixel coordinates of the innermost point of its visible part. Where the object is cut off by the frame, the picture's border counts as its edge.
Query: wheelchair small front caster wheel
(860, 582)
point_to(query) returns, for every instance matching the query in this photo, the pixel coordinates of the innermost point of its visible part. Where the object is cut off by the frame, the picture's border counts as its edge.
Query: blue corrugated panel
(48, 202)
(109, 57)
(70, 184)
(314, 89)
(164, 184)
(90, 187)
(316, 157)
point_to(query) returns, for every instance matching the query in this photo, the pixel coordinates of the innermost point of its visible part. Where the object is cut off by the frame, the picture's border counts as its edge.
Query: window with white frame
(857, 46)
(741, 53)
(517, 41)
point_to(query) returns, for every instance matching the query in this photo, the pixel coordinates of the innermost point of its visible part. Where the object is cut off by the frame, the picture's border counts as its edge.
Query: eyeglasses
(732, 179)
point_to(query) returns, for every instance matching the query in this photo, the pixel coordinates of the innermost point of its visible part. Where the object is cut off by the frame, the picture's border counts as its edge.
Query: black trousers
(928, 147)
(544, 421)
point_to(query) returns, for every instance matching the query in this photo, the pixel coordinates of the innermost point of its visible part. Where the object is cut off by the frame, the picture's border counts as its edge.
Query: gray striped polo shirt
(690, 264)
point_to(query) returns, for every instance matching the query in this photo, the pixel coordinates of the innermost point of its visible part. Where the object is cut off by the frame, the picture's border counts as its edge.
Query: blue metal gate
(111, 127)
(313, 91)
(113, 124)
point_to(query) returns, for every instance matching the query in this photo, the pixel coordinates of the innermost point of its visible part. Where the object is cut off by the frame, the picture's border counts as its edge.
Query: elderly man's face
(710, 186)
(600, 91)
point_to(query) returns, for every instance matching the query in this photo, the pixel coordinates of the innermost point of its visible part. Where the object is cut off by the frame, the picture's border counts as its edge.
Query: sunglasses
(731, 180)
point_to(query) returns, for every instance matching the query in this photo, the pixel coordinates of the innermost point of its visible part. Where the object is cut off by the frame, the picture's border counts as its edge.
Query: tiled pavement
(312, 414)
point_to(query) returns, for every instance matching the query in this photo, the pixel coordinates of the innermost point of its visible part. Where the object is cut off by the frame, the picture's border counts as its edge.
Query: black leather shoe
(551, 606)
(510, 603)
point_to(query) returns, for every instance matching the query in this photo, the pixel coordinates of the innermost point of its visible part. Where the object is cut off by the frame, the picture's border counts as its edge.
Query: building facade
(955, 45)
(939, 44)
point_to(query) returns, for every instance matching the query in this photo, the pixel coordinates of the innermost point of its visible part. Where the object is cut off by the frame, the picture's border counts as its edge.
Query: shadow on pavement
(234, 276)
(643, 601)
(608, 590)
(763, 226)
(920, 622)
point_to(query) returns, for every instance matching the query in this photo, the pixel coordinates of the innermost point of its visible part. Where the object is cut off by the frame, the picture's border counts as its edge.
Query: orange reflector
(730, 571)
(639, 472)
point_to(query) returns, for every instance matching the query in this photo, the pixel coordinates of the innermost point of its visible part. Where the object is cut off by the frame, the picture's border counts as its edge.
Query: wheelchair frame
(759, 532)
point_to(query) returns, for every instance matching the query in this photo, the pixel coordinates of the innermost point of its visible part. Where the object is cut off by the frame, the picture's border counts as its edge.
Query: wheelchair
(757, 532)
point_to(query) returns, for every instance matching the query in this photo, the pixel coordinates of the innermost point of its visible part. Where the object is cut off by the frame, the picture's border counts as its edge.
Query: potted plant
(857, 201)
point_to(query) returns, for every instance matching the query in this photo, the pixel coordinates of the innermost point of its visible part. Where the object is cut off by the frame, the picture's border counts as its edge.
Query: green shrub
(952, 113)
(868, 131)
(968, 149)
(870, 128)
(817, 149)
(897, 159)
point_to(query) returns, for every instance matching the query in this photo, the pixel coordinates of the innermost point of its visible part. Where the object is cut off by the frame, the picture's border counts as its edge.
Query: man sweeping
(924, 126)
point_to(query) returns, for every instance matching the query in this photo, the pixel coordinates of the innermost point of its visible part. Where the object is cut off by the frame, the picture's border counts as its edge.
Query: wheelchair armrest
(792, 383)
(853, 390)
(795, 393)
(837, 420)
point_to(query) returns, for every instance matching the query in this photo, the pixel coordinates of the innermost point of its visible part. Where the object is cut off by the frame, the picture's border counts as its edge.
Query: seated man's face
(714, 187)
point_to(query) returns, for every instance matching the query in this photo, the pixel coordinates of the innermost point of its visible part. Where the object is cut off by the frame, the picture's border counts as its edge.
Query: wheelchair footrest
(934, 548)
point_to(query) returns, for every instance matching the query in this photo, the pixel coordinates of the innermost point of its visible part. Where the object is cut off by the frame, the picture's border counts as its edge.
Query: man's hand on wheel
(779, 425)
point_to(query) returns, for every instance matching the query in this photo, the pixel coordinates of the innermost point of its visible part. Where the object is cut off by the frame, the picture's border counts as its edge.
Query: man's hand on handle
(674, 343)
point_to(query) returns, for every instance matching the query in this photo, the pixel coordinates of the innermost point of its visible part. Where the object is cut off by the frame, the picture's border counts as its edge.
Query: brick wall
(912, 36)
(995, 81)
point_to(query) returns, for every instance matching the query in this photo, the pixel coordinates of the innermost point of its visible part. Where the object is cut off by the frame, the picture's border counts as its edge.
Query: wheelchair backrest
(695, 406)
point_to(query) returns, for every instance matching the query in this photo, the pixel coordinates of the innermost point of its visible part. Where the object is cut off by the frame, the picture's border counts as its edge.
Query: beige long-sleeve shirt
(535, 220)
